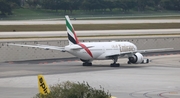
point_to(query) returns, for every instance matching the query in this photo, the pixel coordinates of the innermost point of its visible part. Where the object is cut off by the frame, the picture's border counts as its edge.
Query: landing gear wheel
(147, 61)
(115, 58)
(87, 64)
(129, 62)
(115, 65)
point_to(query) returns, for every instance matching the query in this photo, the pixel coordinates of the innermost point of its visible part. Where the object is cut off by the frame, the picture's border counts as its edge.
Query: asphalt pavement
(158, 79)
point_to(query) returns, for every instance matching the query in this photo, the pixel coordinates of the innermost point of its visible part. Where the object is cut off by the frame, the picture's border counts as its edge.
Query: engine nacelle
(137, 58)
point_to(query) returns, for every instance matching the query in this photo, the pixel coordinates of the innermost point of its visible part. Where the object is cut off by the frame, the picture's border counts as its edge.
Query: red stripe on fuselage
(77, 41)
(87, 50)
(82, 45)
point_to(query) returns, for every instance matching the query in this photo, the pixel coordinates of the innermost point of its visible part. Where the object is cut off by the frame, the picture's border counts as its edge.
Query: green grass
(6, 28)
(29, 14)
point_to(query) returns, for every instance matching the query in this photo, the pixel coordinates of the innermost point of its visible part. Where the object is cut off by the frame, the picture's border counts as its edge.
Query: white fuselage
(100, 50)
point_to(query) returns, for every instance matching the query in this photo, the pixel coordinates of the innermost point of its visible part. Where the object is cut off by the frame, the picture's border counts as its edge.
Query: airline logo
(43, 88)
(71, 33)
(73, 38)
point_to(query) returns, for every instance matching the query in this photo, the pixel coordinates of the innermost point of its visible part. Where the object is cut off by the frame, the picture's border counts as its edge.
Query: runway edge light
(43, 87)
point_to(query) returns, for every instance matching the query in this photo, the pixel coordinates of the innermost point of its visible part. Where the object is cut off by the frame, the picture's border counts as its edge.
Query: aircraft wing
(46, 47)
(154, 50)
(146, 51)
(139, 51)
(76, 47)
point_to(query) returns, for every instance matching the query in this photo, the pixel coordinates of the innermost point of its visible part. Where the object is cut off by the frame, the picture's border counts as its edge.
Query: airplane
(89, 51)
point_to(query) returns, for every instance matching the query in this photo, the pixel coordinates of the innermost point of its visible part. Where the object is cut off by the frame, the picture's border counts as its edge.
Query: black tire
(128, 62)
(90, 64)
(115, 65)
(147, 61)
(87, 64)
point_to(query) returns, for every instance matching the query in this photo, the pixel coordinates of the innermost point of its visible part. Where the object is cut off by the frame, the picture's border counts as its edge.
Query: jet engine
(137, 58)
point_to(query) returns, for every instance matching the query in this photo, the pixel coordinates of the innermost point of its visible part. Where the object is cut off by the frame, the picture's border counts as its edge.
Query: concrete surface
(128, 21)
(158, 79)
(89, 33)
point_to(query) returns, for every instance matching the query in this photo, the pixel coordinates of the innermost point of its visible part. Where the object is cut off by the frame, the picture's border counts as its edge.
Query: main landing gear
(86, 62)
(114, 64)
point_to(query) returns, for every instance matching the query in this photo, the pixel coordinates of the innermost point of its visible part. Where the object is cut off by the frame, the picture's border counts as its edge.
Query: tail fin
(43, 87)
(70, 31)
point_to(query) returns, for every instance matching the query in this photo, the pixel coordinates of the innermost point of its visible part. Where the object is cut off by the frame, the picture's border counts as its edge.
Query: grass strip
(129, 17)
(9, 28)
(94, 36)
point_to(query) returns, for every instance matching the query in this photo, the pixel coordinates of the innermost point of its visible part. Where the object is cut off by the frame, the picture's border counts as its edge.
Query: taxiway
(158, 79)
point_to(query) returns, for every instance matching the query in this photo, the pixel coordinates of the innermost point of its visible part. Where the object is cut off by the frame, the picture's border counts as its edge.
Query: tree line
(6, 6)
